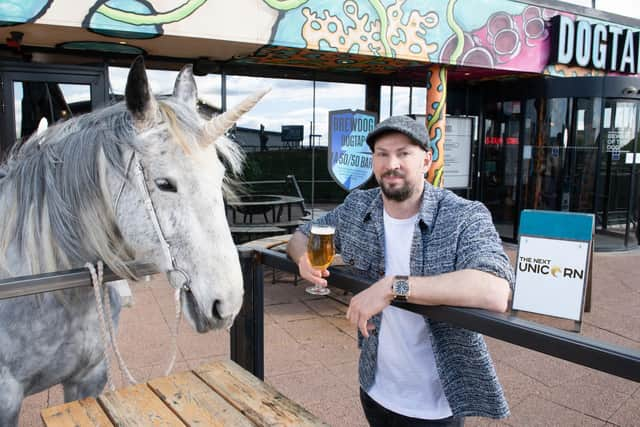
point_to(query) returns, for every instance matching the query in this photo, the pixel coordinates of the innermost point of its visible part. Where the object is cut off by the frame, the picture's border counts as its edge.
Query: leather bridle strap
(141, 182)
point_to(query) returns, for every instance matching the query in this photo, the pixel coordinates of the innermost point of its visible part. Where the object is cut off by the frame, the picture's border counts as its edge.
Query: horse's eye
(165, 184)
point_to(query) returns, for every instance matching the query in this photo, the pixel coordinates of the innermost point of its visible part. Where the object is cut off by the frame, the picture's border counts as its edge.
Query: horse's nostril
(215, 312)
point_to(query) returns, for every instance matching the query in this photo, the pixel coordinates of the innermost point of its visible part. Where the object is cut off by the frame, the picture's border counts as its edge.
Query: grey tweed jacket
(451, 233)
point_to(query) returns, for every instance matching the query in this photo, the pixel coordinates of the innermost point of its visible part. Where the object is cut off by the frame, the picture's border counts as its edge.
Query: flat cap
(415, 130)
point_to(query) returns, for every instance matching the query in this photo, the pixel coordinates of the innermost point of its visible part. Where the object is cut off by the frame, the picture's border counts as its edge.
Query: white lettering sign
(594, 46)
(551, 276)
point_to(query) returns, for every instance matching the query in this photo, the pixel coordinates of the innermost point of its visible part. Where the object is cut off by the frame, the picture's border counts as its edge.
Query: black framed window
(35, 95)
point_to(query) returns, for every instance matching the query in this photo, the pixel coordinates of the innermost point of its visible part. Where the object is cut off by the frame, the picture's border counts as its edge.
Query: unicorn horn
(217, 126)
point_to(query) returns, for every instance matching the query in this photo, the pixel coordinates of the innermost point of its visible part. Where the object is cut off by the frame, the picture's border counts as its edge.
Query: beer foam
(322, 230)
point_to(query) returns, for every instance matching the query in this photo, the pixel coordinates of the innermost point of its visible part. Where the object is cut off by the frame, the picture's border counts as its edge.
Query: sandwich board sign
(349, 158)
(552, 265)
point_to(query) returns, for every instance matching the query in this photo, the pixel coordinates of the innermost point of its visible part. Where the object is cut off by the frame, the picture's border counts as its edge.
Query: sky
(290, 102)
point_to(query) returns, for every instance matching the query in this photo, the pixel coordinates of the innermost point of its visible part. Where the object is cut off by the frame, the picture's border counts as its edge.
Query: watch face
(401, 287)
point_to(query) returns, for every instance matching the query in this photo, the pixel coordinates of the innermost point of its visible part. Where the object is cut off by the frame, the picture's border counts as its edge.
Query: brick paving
(311, 354)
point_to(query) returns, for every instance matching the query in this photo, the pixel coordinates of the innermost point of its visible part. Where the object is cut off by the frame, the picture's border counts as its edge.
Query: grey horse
(143, 179)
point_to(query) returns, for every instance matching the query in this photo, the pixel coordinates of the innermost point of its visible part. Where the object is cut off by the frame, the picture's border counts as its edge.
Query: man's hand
(297, 251)
(370, 302)
(311, 274)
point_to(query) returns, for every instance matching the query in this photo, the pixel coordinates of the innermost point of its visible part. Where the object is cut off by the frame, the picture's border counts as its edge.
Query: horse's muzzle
(201, 322)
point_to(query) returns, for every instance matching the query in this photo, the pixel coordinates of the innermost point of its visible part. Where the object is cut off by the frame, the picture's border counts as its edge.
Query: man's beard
(398, 194)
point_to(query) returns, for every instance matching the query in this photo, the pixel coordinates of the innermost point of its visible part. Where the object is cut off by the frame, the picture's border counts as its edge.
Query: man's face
(399, 166)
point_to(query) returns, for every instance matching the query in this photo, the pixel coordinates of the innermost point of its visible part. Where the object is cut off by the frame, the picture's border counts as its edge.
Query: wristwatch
(400, 288)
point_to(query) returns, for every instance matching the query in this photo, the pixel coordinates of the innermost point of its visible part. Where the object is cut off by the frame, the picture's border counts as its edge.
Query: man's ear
(428, 159)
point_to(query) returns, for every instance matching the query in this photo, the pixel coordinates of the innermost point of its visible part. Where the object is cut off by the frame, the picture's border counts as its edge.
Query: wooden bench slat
(81, 413)
(196, 403)
(259, 401)
(138, 406)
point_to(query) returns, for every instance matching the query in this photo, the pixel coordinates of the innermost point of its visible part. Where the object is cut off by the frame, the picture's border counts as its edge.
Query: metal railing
(247, 338)
(59, 280)
(247, 333)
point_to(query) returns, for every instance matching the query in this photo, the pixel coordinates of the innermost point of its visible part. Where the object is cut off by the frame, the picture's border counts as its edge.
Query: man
(426, 246)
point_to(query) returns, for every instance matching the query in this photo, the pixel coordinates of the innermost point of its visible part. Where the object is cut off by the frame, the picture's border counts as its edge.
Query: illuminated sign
(349, 158)
(599, 46)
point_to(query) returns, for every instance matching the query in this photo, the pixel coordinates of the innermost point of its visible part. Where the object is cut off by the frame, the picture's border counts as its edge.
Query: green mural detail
(457, 30)
(384, 24)
(133, 18)
(285, 5)
(437, 116)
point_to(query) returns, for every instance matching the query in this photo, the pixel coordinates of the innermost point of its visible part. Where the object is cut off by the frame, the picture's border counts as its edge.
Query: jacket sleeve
(480, 247)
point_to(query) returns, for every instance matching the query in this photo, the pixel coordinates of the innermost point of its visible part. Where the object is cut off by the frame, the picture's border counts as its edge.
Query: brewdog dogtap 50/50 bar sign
(349, 157)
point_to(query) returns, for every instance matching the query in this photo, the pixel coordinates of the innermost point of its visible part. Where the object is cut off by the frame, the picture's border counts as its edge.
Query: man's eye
(166, 184)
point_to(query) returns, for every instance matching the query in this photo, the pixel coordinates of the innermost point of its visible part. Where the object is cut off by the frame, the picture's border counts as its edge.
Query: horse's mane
(55, 206)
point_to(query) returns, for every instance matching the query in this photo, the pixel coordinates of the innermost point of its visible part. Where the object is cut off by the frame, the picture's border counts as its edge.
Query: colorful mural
(13, 12)
(364, 35)
(503, 34)
(334, 61)
(436, 116)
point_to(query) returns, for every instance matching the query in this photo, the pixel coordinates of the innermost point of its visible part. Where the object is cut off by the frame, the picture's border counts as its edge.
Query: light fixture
(110, 47)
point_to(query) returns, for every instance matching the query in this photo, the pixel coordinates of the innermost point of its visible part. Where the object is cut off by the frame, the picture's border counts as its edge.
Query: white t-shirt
(407, 380)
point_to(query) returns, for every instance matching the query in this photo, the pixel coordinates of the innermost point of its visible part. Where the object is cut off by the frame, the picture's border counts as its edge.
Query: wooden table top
(215, 394)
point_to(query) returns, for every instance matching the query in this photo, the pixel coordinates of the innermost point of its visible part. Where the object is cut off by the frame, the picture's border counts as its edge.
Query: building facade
(552, 88)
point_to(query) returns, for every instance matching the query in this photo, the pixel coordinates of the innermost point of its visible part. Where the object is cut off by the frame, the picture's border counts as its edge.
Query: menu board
(457, 151)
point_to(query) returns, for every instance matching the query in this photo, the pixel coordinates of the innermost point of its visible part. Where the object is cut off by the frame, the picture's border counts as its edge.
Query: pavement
(311, 353)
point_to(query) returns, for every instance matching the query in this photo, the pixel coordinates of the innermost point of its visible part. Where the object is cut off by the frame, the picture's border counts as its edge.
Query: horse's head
(176, 173)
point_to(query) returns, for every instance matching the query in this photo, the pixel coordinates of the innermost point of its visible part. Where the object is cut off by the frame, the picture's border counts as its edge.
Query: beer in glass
(320, 251)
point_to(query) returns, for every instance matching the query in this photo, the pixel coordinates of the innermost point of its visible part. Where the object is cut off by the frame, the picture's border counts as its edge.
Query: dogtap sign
(349, 157)
(552, 265)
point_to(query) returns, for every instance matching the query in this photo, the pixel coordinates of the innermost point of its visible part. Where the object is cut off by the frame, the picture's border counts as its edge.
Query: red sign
(498, 140)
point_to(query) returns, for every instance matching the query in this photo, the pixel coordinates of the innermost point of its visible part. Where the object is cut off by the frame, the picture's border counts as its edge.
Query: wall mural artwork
(334, 61)
(366, 35)
(14, 12)
(496, 35)
(436, 118)
(129, 19)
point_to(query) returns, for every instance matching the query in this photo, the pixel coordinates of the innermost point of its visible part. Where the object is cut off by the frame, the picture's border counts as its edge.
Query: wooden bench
(216, 394)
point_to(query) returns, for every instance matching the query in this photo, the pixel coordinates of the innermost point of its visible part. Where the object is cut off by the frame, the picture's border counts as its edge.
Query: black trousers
(379, 416)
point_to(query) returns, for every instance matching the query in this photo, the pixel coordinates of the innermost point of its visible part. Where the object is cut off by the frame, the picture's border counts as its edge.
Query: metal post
(247, 333)
(313, 154)
(223, 90)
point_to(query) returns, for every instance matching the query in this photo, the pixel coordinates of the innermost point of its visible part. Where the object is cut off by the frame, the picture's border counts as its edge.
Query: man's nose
(394, 162)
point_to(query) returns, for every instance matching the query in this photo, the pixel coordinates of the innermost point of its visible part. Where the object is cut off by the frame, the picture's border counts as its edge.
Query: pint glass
(320, 251)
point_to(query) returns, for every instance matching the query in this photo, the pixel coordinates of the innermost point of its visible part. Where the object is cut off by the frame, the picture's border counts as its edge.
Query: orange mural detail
(436, 116)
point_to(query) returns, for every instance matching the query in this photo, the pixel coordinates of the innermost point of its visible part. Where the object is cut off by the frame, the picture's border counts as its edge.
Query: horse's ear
(140, 101)
(185, 87)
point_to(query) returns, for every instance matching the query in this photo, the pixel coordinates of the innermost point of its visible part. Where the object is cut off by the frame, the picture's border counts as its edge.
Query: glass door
(617, 190)
(499, 165)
